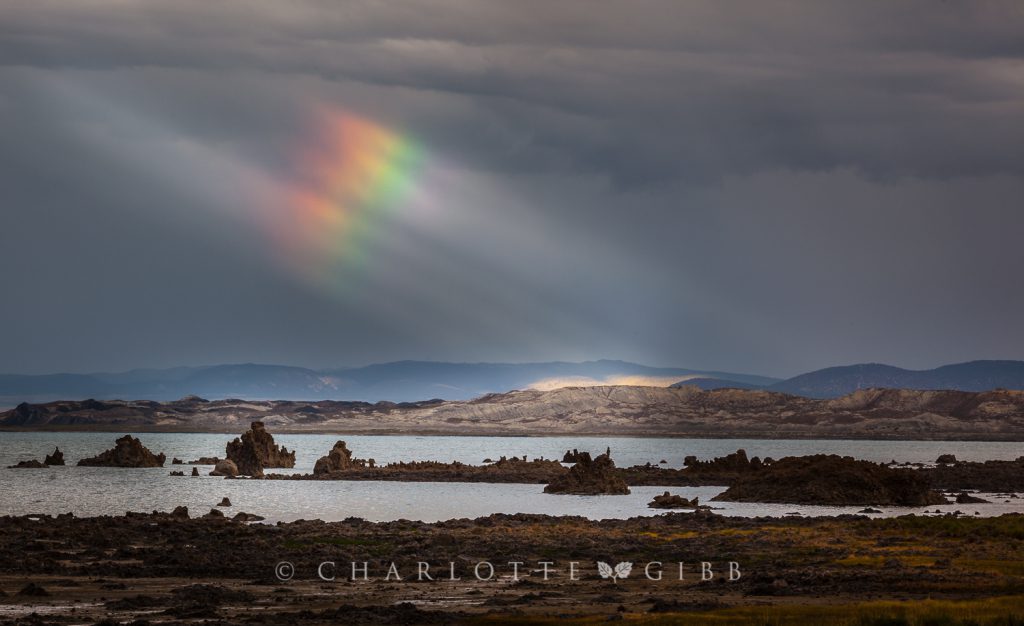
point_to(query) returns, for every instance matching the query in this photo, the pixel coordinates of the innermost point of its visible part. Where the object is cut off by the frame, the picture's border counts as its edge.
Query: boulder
(589, 477)
(946, 459)
(176, 461)
(225, 501)
(672, 501)
(195, 471)
(177, 473)
(828, 479)
(180, 511)
(205, 460)
(256, 450)
(57, 458)
(127, 452)
(223, 468)
(965, 498)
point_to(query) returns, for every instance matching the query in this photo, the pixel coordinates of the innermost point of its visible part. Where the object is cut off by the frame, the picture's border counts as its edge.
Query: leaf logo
(621, 570)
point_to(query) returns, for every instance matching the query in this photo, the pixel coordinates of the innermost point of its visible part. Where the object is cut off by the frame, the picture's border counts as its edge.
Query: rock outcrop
(339, 459)
(57, 458)
(504, 470)
(945, 459)
(572, 456)
(965, 498)
(589, 477)
(998, 476)
(672, 501)
(256, 450)
(33, 464)
(725, 468)
(223, 468)
(127, 452)
(832, 480)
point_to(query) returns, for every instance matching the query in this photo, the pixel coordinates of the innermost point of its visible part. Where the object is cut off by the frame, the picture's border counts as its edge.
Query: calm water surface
(99, 491)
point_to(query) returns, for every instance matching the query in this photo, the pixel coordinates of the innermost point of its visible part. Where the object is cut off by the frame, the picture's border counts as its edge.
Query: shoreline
(770, 435)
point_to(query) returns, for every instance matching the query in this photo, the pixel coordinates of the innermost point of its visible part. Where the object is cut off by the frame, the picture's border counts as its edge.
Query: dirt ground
(165, 569)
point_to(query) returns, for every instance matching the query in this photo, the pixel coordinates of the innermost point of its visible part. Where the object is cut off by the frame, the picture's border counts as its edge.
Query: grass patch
(1001, 611)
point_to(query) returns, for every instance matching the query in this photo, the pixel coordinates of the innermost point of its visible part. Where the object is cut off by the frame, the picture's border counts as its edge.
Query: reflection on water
(99, 491)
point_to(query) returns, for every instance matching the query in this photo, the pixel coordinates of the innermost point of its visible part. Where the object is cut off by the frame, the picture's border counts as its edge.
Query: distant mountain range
(410, 381)
(833, 382)
(402, 381)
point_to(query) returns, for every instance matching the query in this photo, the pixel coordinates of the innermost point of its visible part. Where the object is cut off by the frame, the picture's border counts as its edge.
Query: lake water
(112, 491)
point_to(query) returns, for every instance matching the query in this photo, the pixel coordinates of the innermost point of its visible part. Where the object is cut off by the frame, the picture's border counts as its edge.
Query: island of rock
(256, 450)
(127, 452)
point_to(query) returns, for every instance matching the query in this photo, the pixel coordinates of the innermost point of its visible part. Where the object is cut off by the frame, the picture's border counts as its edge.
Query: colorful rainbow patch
(348, 178)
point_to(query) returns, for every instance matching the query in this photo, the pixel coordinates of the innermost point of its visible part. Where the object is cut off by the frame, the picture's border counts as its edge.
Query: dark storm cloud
(769, 186)
(661, 89)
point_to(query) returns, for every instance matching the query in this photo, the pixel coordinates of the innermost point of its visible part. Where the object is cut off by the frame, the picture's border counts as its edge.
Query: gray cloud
(790, 186)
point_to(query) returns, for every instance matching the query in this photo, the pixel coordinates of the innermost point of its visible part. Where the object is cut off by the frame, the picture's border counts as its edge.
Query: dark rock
(210, 595)
(256, 450)
(573, 456)
(223, 468)
(965, 498)
(337, 460)
(205, 460)
(225, 501)
(946, 459)
(869, 510)
(176, 461)
(180, 511)
(724, 468)
(247, 517)
(832, 480)
(128, 452)
(993, 476)
(195, 471)
(177, 473)
(57, 458)
(33, 464)
(672, 501)
(33, 590)
(589, 477)
(214, 513)
(131, 603)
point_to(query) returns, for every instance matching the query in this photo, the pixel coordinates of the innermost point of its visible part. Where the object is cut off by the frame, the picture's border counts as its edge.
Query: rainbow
(348, 178)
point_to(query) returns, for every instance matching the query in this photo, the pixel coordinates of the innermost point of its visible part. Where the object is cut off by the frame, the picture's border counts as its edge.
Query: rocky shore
(171, 568)
(832, 480)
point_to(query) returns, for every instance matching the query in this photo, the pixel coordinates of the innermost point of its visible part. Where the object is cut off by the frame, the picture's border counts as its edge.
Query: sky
(764, 187)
